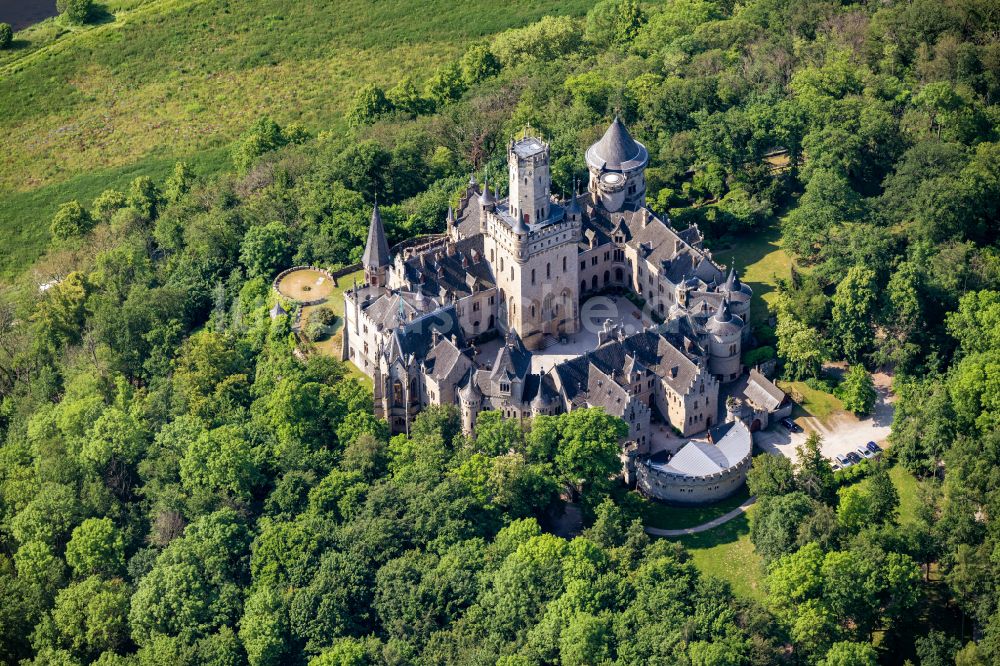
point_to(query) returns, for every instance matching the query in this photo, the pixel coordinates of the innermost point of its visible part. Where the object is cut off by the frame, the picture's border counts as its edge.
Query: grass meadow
(151, 82)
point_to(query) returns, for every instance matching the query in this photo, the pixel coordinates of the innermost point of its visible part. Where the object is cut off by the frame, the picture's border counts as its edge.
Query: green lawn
(906, 486)
(760, 260)
(814, 403)
(158, 80)
(668, 517)
(335, 302)
(726, 552)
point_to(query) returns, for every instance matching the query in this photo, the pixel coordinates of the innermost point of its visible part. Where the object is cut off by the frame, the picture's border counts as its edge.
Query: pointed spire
(451, 215)
(486, 198)
(722, 314)
(470, 392)
(574, 206)
(377, 248)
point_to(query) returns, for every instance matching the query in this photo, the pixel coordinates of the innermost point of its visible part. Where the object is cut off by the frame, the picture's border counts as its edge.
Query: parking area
(842, 432)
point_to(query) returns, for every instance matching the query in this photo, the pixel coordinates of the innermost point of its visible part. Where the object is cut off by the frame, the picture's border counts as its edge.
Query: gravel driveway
(841, 433)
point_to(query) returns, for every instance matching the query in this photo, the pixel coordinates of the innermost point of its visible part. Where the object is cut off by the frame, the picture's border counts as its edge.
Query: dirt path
(704, 527)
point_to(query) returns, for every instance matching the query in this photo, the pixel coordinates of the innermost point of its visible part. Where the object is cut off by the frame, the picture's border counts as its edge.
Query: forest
(184, 481)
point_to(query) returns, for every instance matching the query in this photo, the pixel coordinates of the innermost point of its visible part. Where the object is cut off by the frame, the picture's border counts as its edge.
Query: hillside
(152, 82)
(187, 478)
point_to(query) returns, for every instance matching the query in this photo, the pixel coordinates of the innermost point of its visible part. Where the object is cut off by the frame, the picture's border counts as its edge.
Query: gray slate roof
(617, 150)
(763, 393)
(377, 248)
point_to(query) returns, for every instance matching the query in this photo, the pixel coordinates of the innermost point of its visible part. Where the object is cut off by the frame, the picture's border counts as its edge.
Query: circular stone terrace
(305, 285)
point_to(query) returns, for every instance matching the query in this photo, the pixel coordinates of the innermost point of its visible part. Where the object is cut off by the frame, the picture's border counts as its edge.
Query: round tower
(542, 403)
(471, 402)
(617, 166)
(725, 336)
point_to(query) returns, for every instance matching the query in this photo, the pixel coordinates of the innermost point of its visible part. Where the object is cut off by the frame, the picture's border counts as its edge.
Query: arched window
(548, 271)
(593, 282)
(511, 272)
(607, 277)
(564, 264)
(618, 274)
(532, 276)
(397, 393)
(501, 263)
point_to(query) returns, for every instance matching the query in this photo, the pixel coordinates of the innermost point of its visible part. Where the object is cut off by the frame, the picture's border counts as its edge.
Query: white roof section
(733, 443)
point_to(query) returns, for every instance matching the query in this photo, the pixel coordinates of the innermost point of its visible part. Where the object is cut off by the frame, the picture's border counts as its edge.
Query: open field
(153, 82)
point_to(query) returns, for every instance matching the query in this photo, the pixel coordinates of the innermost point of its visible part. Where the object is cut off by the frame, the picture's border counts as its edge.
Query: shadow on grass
(18, 45)
(726, 533)
(100, 14)
(676, 517)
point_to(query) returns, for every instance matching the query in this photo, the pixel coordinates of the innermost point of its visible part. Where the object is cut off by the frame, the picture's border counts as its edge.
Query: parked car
(844, 462)
(873, 447)
(791, 425)
(853, 457)
(834, 465)
(865, 453)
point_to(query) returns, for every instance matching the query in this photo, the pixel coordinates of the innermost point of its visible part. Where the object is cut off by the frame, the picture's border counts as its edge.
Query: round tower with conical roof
(470, 400)
(725, 332)
(617, 165)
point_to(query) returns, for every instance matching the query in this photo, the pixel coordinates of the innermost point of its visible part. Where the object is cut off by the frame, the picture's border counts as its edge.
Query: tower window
(532, 276)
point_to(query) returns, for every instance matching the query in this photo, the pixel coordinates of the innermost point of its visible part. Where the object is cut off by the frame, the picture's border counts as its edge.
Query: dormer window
(504, 387)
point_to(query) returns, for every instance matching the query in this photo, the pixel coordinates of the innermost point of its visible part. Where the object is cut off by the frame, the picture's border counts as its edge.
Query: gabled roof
(416, 338)
(377, 248)
(617, 150)
(513, 360)
(763, 393)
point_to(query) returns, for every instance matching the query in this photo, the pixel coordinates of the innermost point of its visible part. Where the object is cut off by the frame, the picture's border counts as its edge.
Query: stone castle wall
(685, 489)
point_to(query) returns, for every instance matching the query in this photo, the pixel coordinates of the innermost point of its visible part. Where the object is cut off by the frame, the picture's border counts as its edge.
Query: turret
(725, 332)
(470, 402)
(376, 259)
(617, 166)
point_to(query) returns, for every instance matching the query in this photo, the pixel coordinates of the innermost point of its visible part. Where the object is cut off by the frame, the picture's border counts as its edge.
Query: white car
(864, 453)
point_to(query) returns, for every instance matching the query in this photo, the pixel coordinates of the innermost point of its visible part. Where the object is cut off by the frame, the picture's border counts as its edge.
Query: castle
(465, 318)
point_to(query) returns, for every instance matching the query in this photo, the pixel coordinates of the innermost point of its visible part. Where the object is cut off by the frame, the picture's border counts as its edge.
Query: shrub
(319, 324)
(74, 11)
(853, 474)
(107, 204)
(369, 104)
(757, 356)
(547, 39)
(6, 35)
(71, 220)
(479, 64)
